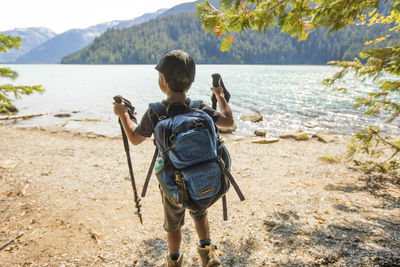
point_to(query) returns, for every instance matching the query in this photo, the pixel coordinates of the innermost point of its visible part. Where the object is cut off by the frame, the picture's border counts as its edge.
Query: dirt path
(70, 196)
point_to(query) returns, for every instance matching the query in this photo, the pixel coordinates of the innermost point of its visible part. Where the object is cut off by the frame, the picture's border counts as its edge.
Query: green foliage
(381, 63)
(145, 43)
(6, 90)
(8, 42)
(382, 153)
(295, 17)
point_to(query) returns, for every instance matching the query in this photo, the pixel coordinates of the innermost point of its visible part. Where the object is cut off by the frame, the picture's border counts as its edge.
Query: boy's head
(178, 69)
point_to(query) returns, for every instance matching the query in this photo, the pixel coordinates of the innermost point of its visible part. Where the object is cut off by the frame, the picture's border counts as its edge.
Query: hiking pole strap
(146, 183)
(235, 185)
(128, 156)
(224, 208)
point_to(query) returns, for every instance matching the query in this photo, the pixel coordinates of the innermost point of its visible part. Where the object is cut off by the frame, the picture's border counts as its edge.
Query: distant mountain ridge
(31, 38)
(145, 43)
(53, 49)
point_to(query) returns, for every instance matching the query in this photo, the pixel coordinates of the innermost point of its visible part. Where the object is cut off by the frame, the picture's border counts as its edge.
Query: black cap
(176, 63)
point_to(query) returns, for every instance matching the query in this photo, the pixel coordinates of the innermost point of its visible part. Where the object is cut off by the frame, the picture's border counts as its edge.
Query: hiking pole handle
(117, 99)
(217, 82)
(130, 109)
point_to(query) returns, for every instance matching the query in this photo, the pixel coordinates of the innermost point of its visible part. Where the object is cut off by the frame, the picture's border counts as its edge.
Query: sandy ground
(70, 196)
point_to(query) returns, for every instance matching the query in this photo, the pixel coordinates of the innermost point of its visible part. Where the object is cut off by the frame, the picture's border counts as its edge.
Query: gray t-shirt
(150, 119)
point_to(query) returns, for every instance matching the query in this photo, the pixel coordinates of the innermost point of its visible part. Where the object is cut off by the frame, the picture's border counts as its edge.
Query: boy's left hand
(119, 109)
(218, 91)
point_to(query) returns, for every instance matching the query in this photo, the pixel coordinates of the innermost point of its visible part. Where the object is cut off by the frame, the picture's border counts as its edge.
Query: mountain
(145, 43)
(189, 7)
(146, 17)
(70, 41)
(31, 37)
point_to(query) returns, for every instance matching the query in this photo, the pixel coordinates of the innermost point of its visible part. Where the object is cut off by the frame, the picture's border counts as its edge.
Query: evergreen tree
(6, 102)
(145, 43)
(302, 19)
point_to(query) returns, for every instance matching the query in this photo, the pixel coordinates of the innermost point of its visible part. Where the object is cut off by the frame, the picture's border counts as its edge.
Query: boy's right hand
(120, 109)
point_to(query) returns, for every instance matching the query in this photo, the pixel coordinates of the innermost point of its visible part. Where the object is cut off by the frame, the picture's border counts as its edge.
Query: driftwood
(11, 241)
(11, 117)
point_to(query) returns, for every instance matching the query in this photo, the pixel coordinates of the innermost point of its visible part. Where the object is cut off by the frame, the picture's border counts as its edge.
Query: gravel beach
(68, 197)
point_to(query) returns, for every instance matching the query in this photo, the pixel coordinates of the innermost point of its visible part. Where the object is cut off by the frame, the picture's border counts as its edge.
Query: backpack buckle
(170, 148)
(199, 125)
(172, 138)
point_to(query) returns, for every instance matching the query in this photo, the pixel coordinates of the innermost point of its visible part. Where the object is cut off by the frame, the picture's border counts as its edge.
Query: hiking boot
(208, 256)
(172, 263)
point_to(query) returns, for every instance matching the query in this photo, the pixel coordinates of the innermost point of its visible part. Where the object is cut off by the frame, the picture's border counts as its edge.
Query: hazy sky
(62, 15)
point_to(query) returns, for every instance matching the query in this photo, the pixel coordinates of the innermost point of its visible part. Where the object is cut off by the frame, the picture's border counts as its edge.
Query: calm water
(287, 96)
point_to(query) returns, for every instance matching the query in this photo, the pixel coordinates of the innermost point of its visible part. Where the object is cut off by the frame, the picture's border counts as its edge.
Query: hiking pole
(146, 183)
(217, 82)
(119, 99)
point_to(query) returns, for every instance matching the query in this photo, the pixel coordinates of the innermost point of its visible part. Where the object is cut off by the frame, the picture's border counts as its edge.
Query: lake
(288, 96)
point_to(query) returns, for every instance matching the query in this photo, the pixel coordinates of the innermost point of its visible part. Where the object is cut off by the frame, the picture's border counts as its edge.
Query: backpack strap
(195, 104)
(224, 208)
(159, 109)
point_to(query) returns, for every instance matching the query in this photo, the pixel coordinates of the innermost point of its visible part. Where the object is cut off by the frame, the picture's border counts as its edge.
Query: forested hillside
(144, 43)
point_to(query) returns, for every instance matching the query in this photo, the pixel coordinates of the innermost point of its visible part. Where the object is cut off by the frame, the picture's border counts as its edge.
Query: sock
(175, 256)
(205, 242)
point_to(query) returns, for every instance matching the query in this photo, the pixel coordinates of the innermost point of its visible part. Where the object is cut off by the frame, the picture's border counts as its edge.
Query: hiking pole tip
(139, 214)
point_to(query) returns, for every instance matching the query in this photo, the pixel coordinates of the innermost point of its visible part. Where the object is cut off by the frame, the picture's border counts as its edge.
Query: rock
(62, 115)
(302, 137)
(299, 136)
(265, 141)
(290, 135)
(324, 136)
(260, 133)
(227, 130)
(253, 117)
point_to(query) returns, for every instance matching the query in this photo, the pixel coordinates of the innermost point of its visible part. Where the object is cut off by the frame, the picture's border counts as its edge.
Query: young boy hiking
(176, 72)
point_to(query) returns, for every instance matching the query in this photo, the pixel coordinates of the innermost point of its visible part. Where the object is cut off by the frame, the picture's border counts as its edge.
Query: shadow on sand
(284, 239)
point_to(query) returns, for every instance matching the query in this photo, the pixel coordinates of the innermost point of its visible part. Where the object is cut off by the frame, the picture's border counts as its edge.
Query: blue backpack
(192, 160)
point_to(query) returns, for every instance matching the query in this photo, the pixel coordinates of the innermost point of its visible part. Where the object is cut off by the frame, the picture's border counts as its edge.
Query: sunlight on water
(287, 96)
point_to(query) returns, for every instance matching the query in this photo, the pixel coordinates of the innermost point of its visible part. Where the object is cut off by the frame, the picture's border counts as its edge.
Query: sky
(63, 15)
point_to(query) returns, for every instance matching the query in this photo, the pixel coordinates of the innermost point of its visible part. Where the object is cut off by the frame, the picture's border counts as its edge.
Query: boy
(176, 72)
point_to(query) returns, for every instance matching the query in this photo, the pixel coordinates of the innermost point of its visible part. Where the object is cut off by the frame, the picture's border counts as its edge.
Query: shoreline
(69, 193)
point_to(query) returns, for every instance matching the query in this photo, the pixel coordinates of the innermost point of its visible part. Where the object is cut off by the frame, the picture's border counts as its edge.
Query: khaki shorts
(174, 214)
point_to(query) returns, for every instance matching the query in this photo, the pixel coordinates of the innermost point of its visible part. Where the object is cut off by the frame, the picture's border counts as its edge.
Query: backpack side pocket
(166, 180)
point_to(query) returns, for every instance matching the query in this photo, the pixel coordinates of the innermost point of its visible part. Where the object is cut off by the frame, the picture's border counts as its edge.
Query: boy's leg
(202, 227)
(174, 216)
(206, 251)
(174, 241)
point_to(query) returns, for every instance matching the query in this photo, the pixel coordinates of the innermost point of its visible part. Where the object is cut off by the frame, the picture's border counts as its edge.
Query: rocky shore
(66, 200)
